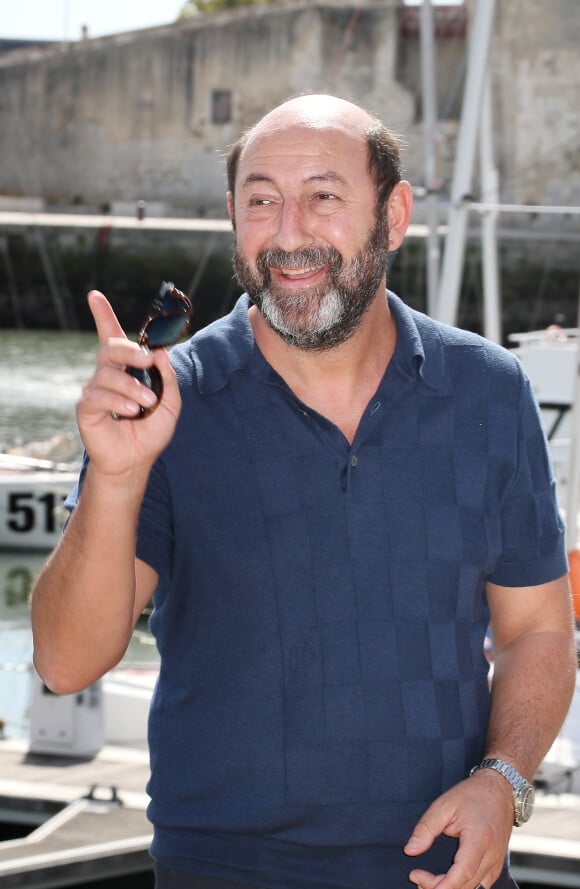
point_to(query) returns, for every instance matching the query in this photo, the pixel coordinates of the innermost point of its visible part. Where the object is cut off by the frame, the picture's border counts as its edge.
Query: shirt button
(354, 461)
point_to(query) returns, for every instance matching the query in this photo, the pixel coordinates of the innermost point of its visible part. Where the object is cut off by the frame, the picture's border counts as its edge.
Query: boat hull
(32, 513)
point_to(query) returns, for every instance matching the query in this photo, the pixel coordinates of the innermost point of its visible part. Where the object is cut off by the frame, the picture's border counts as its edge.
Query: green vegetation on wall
(192, 7)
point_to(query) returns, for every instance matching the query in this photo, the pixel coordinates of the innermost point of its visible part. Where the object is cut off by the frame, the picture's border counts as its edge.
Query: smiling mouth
(295, 274)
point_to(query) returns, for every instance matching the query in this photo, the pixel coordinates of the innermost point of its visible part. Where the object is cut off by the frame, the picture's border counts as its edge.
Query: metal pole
(573, 477)
(59, 306)
(430, 137)
(479, 44)
(12, 285)
(66, 10)
(489, 187)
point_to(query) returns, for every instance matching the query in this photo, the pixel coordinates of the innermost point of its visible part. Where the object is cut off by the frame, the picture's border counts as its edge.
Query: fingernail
(413, 843)
(149, 397)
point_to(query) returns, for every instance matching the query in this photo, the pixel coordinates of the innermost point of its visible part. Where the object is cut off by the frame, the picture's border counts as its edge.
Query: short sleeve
(155, 536)
(532, 530)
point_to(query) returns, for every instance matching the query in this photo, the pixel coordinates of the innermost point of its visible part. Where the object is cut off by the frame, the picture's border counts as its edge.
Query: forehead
(301, 150)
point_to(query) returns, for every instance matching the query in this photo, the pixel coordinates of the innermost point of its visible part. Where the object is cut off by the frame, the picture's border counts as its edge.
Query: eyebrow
(330, 176)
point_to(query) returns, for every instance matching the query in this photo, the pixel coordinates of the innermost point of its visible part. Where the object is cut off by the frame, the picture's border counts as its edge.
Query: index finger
(106, 321)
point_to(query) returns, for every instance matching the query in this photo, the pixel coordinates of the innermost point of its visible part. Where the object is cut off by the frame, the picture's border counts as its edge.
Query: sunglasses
(167, 323)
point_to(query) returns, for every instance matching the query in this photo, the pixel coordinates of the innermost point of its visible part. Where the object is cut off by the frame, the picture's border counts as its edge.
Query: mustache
(305, 256)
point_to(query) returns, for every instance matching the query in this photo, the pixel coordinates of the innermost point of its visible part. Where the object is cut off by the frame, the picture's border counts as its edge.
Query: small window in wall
(221, 106)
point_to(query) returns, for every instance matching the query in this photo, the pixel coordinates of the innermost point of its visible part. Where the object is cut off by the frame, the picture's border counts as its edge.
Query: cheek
(347, 232)
(251, 240)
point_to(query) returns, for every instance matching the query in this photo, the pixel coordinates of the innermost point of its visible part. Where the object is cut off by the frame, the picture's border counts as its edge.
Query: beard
(326, 315)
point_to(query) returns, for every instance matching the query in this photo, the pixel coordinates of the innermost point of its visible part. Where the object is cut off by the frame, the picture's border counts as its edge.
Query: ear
(398, 209)
(230, 202)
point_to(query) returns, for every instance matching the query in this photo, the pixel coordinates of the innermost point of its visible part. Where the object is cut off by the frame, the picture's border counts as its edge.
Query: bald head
(317, 114)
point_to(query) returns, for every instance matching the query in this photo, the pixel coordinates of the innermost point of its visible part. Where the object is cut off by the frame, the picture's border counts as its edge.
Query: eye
(262, 204)
(325, 196)
(323, 202)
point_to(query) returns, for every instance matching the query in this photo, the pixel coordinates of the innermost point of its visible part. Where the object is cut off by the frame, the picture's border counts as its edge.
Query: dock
(88, 822)
(86, 817)
(18, 219)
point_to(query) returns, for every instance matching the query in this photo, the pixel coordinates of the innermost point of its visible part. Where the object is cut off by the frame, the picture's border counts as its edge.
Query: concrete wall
(118, 119)
(536, 77)
(128, 117)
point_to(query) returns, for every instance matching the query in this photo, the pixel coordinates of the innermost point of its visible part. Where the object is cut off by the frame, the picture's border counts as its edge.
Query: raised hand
(115, 446)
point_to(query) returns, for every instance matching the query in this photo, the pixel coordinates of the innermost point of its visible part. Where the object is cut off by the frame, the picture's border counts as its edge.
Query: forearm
(533, 682)
(83, 603)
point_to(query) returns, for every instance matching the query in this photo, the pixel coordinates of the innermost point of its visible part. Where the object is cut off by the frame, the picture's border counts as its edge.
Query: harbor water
(41, 378)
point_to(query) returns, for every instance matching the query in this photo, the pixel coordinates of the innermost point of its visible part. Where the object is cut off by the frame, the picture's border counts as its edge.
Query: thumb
(422, 837)
(106, 321)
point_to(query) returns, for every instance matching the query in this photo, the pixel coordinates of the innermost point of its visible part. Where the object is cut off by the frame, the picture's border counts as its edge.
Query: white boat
(114, 711)
(549, 358)
(32, 495)
(127, 693)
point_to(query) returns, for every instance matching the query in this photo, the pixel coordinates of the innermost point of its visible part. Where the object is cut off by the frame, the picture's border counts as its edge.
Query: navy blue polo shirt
(321, 607)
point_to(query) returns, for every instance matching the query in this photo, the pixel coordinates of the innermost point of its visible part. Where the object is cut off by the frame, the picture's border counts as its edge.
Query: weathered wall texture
(111, 121)
(129, 117)
(536, 77)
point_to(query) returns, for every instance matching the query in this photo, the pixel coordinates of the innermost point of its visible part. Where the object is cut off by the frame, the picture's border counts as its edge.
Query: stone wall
(148, 115)
(536, 72)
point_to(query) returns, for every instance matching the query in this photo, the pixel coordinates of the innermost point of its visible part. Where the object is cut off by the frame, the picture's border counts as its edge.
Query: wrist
(522, 792)
(115, 493)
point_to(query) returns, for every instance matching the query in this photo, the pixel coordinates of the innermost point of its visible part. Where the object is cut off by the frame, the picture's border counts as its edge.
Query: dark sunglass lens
(169, 318)
(151, 378)
(172, 301)
(163, 330)
(168, 322)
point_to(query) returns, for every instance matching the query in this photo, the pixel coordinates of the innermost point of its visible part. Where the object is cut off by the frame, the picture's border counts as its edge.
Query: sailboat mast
(430, 138)
(478, 56)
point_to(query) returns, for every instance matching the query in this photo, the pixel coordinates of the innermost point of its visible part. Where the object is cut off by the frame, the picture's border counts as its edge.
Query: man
(330, 502)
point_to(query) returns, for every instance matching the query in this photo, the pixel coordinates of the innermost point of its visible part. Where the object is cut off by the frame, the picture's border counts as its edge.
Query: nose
(293, 230)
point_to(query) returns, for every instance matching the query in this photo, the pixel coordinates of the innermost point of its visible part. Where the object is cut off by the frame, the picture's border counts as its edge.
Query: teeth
(296, 273)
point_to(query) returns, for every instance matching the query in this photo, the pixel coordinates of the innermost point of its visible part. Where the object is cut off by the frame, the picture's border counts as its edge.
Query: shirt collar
(419, 350)
(222, 348)
(227, 346)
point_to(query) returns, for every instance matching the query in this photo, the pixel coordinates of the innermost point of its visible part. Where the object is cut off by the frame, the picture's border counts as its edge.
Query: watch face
(527, 804)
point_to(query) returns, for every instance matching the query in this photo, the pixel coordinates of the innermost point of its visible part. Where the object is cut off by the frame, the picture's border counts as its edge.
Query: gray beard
(329, 315)
(321, 317)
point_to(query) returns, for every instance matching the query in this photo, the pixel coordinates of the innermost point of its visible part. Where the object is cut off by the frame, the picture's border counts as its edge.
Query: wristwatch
(524, 795)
